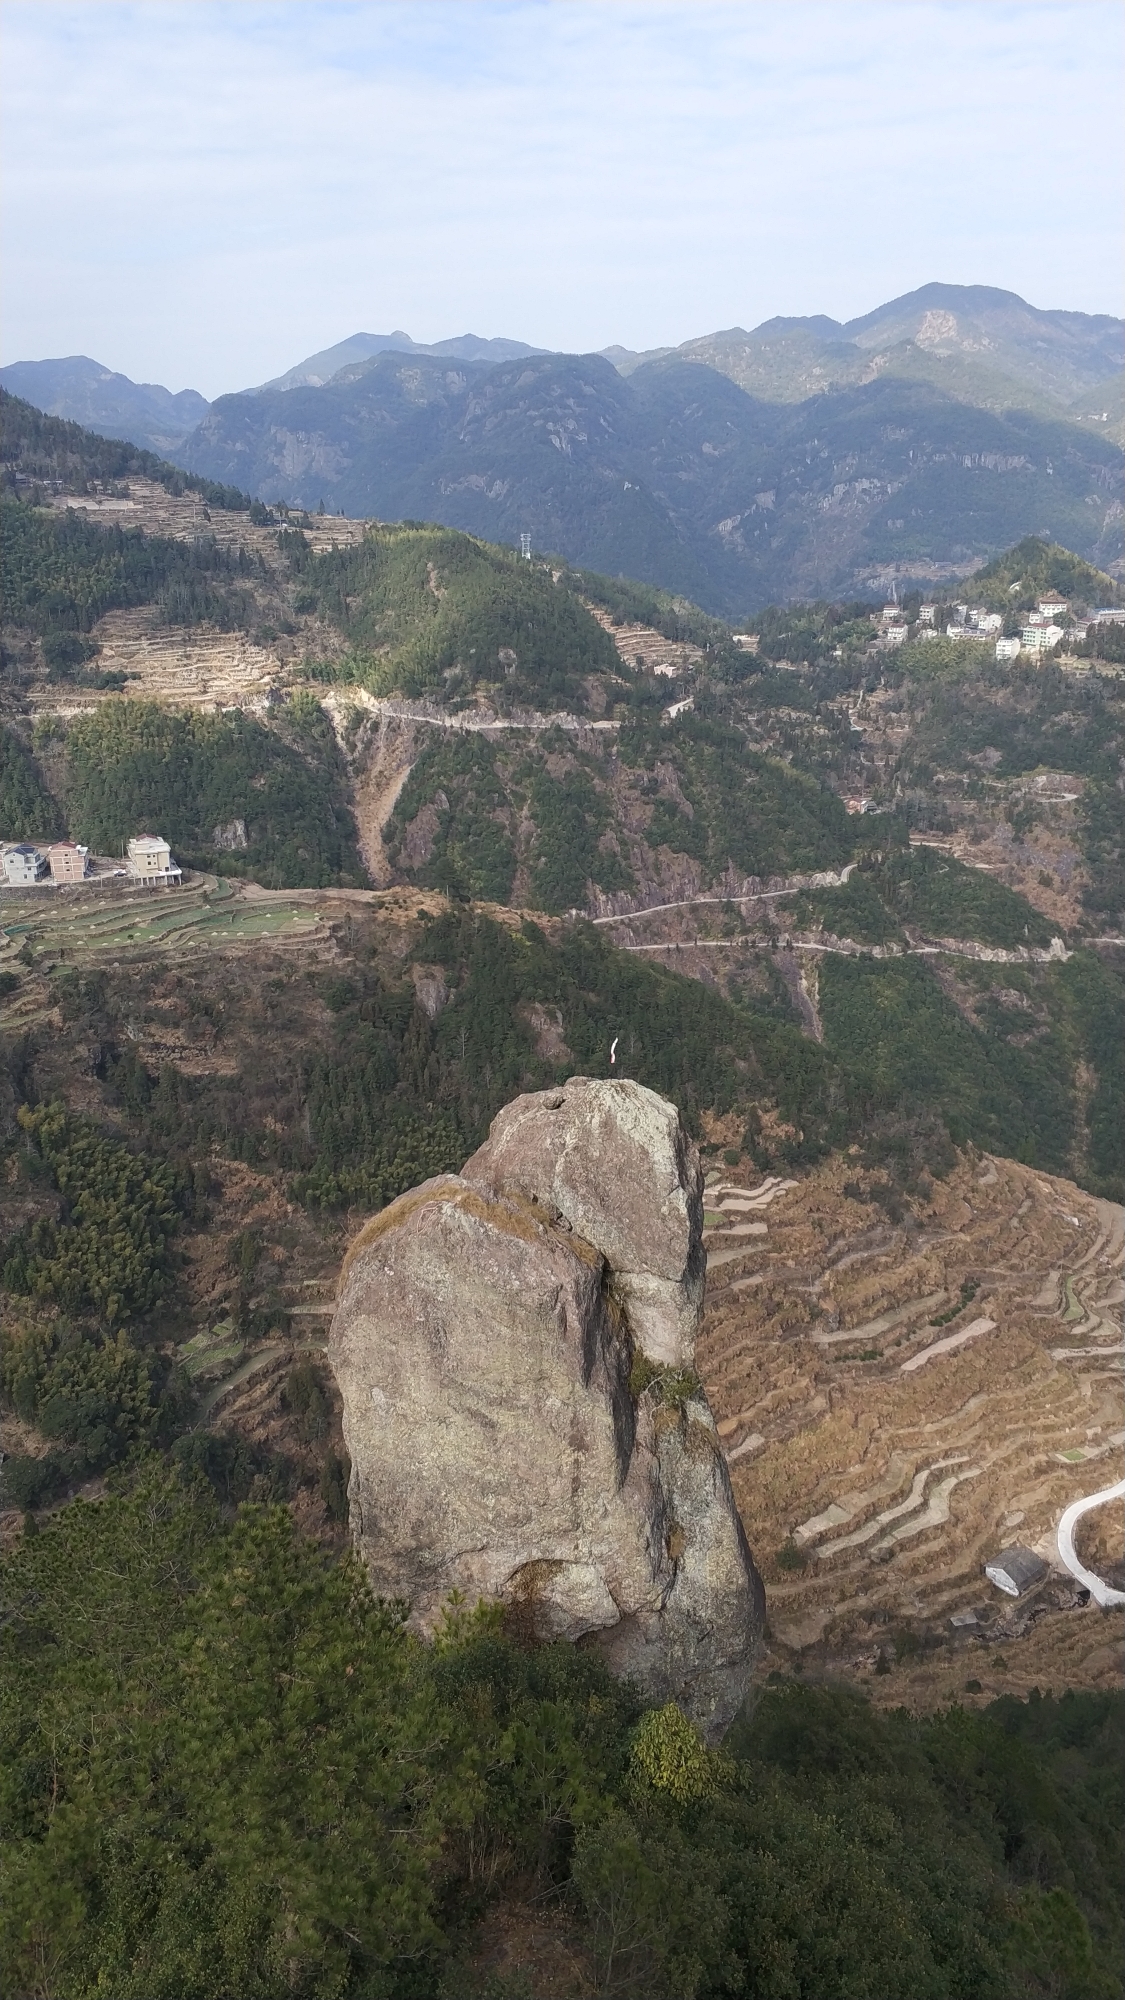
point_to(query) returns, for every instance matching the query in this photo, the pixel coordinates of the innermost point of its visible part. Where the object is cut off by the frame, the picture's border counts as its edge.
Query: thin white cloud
(201, 193)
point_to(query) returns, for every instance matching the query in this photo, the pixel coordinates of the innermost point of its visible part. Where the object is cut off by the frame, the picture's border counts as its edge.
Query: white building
(1040, 638)
(1052, 607)
(1007, 649)
(24, 866)
(927, 613)
(895, 635)
(1109, 617)
(987, 623)
(150, 862)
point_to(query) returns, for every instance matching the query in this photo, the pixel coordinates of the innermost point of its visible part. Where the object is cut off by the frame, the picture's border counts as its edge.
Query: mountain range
(87, 392)
(804, 458)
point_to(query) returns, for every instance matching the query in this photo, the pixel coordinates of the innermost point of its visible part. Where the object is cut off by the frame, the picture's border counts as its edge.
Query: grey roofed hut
(1015, 1570)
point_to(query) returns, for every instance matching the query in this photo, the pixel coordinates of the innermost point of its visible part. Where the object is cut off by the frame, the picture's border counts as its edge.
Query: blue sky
(200, 193)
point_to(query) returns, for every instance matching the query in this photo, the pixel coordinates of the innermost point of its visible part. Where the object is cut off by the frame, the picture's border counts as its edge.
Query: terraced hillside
(904, 1389)
(906, 1348)
(410, 706)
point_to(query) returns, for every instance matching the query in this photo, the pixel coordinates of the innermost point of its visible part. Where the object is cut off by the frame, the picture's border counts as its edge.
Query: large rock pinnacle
(615, 1162)
(496, 1341)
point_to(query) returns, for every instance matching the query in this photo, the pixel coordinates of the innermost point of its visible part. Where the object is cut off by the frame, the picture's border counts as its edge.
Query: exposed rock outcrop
(615, 1162)
(494, 1342)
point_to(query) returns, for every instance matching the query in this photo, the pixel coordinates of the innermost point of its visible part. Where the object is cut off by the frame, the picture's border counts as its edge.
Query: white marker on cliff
(613, 1048)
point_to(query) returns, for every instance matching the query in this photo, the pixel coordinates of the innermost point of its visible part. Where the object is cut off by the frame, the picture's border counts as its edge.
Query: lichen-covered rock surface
(518, 1405)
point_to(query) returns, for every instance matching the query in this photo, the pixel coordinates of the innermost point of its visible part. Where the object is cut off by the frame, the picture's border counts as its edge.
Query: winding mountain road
(1103, 1593)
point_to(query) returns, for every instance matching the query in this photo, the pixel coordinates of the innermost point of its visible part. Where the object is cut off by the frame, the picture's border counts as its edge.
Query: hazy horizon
(200, 195)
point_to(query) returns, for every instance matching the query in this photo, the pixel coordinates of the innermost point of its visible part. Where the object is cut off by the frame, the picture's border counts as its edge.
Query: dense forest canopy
(28, 809)
(59, 573)
(136, 766)
(228, 1770)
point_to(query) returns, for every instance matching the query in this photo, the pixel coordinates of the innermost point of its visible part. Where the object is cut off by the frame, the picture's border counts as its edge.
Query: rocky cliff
(514, 1345)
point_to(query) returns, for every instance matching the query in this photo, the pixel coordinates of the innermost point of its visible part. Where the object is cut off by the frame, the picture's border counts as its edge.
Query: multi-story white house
(1040, 638)
(1007, 649)
(150, 862)
(24, 865)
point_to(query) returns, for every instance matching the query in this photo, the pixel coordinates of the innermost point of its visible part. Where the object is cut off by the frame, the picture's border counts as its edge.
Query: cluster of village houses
(147, 864)
(1040, 632)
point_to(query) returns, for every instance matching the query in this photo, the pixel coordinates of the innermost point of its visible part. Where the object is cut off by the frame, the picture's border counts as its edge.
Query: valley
(562, 1003)
(857, 911)
(909, 1369)
(801, 458)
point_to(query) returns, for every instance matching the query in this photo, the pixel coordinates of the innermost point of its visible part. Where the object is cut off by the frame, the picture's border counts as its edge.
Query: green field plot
(174, 925)
(208, 1355)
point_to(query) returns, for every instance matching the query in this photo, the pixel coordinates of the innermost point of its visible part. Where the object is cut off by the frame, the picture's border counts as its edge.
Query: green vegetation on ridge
(59, 573)
(38, 448)
(1036, 568)
(427, 609)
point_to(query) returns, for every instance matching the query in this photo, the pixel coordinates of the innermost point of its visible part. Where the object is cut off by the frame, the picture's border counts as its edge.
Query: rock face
(615, 1162)
(488, 1327)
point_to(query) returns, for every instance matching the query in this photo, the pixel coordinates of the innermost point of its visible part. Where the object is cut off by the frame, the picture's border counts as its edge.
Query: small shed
(1016, 1570)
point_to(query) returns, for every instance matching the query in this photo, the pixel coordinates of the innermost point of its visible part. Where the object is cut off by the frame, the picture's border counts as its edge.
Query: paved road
(1102, 1593)
(843, 948)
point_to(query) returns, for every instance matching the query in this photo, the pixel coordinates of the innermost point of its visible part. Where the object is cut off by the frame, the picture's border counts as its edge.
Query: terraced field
(196, 666)
(84, 928)
(184, 516)
(899, 1400)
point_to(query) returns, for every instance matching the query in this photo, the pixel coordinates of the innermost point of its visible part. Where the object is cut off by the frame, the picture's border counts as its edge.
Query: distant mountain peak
(87, 392)
(318, 369)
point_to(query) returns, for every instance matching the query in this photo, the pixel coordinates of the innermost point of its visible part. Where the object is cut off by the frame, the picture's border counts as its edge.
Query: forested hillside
(39, 449)
(677, 476)
(133, 764)
(529, 756)
(173, 1825)
(61, 573)
(438, 612)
